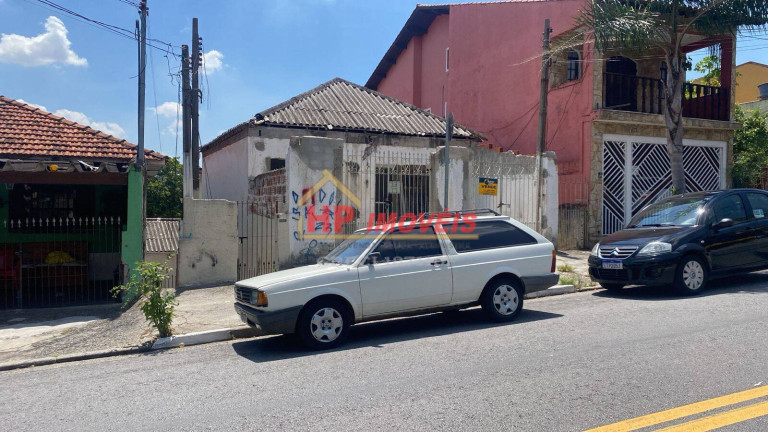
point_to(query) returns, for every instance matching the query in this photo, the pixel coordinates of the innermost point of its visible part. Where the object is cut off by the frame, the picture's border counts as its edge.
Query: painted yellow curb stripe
(721, 420)
(683, 411)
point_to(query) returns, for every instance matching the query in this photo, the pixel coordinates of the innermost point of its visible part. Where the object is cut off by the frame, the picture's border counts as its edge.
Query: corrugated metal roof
(342, 105)
(162, 235)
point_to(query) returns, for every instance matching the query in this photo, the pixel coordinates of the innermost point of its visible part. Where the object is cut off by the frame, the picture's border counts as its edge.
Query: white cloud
(50, 47)
(213, 61)
(42, 107)
(168, 109)
(78, 117)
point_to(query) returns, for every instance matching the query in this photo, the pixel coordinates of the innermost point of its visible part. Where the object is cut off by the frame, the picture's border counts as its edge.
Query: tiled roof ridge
(84, 128)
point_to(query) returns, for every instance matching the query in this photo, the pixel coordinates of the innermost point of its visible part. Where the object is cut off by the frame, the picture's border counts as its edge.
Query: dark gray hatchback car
(685, 240)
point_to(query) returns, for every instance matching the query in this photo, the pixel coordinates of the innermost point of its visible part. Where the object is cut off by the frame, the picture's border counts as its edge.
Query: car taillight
(554, 261)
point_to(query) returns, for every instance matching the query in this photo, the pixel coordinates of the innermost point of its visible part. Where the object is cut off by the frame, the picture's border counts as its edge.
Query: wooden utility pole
(196, 96)
(447, 161)
(186, 124)
(542, 138)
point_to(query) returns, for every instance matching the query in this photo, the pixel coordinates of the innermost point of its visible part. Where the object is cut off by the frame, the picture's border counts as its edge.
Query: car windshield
(676, 211)
(351, 248)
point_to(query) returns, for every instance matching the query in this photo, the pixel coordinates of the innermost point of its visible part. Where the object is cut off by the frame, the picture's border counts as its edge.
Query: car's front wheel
(502, 300)
(323, 324)
(691, 276)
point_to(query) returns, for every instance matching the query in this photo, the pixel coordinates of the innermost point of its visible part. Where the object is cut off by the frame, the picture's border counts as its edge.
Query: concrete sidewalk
(33, 334)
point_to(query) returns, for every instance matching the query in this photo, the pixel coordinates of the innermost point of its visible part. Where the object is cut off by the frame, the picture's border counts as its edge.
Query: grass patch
(567, 280)
(565, 268)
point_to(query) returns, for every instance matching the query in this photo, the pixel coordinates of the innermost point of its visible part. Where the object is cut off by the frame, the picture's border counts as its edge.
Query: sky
(258, 53)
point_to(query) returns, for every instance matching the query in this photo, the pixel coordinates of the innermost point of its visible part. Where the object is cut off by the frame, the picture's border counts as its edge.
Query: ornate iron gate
(636, 172)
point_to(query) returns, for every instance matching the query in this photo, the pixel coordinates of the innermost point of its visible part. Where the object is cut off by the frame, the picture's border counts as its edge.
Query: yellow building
(749, 75)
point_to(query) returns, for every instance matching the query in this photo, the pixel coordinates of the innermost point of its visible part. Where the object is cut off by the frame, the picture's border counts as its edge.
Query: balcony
(646, 95)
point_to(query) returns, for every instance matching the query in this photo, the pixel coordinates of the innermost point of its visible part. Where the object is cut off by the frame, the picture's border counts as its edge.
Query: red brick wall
(266, 193)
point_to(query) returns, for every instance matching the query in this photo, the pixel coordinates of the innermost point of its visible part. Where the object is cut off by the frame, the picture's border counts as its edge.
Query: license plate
(613, 265)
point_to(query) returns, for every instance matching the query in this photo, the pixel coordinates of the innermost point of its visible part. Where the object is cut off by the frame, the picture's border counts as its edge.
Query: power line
(117, 30)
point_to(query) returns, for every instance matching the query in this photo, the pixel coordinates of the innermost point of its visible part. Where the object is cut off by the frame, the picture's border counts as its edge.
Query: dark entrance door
(621, 84)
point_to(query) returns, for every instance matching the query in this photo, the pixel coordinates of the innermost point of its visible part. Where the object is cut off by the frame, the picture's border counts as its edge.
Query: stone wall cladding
(267, 193)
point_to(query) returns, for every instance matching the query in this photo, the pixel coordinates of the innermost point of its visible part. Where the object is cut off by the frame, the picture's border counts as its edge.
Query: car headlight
(259, 298)
(595, 250)
(655, 248)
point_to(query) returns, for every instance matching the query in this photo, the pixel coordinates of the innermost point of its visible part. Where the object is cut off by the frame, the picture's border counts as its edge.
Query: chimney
(763, 91)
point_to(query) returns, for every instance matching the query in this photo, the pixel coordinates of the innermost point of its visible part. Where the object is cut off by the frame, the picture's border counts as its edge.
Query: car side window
(401, 246)
(730, 207)
(489, 235)
(759, 203)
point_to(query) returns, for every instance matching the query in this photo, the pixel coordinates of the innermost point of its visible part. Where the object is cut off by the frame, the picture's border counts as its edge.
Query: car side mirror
(725, 223)
(373, 258)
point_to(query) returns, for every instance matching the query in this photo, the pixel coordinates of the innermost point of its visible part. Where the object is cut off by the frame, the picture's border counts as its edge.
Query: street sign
(488, 186)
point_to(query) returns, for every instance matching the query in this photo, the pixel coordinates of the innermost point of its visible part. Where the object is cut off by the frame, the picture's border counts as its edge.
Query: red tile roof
(29, 132)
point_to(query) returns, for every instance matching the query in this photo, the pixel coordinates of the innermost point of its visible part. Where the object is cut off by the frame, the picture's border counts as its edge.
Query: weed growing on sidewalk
(146, 284)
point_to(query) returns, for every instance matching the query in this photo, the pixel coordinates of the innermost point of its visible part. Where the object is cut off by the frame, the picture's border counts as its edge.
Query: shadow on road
(749, 283)
(379, 333)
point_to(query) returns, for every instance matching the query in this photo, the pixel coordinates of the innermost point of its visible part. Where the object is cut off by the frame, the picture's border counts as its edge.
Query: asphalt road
(569, 363)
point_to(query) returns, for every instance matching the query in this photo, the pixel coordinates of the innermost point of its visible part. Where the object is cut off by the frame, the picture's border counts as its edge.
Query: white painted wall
(224, 173)
(208, 243)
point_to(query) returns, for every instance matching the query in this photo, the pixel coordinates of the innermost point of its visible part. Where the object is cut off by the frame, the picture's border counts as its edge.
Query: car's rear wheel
(502, 300)
(323, 324)
(691, 277)
(613, 287)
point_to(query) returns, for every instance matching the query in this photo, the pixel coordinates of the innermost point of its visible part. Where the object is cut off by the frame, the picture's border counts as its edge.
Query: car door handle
(439, 262)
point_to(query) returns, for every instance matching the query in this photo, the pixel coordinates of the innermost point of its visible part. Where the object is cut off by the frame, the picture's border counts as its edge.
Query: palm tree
(642, 25)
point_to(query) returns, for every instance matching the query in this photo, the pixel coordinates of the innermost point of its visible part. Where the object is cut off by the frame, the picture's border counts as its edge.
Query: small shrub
(567, 280)
(146, 284)
(565, 268)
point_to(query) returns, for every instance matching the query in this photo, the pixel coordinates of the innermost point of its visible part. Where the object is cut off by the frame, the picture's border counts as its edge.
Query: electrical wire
(119, 31)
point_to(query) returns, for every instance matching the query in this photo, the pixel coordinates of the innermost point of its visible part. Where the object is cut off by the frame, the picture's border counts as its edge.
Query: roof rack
(477, 212)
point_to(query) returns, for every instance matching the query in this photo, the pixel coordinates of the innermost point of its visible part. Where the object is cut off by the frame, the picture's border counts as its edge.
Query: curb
(74, 357)
(555, 290)
(204, 337)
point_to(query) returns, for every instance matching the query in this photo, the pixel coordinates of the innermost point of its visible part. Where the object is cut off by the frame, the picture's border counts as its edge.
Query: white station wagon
(491, 261)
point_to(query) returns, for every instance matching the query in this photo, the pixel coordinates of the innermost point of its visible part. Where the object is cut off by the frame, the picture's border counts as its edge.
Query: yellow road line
(683, 411)
(721, 420)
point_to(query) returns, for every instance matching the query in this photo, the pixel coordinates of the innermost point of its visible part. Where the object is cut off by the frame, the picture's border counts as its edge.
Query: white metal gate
(516, 194)
(636, 172)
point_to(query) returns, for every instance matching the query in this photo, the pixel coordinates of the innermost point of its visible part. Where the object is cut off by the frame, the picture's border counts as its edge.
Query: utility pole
(140, 162)
(196, 96)
(142, 78)
(447, 161)
(186, 109)
(541, 145)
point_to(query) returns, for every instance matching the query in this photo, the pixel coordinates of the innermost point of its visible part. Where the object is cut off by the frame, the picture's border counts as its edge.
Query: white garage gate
(636, 172)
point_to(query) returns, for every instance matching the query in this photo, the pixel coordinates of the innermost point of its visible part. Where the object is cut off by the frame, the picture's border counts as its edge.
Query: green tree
(710, 67)
(645, 25)
(750, 148)
(164, 191)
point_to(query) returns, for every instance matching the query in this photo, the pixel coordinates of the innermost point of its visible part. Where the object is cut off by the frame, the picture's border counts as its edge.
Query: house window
(447, 58)
(573, 66)
(275, 163)
(663, 71)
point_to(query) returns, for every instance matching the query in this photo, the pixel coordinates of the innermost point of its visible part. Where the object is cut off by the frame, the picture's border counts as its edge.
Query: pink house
(482, 61)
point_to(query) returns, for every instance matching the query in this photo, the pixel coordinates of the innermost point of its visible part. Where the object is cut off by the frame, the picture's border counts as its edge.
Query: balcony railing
(646, 95)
